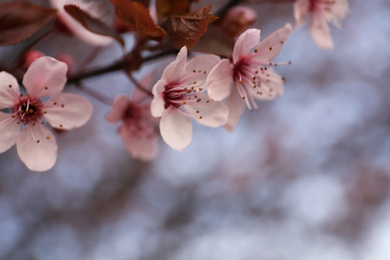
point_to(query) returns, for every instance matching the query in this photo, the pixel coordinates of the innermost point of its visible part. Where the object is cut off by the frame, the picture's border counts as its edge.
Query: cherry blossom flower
(44, 81)
(323, 12)
(75, 27)
(179, 96)
(249, 71)
(138, 126)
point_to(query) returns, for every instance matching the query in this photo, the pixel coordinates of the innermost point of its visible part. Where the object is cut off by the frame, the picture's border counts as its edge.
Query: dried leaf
(173, 7)
(137, 17)
(186, 30)
(92, 24)
(19, 21)
(215, 41)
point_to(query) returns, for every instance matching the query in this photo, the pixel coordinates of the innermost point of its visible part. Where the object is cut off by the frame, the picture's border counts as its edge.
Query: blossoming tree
(229, 69)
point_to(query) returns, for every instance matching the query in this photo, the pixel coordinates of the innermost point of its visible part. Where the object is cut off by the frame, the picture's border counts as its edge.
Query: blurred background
(305, 178)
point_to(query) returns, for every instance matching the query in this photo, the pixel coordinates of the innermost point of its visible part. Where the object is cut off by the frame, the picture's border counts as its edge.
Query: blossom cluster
(213, 89)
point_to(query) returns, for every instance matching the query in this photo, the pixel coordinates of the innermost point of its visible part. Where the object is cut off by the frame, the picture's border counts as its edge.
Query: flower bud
(30, 56)
(237, 20)
(119, 26)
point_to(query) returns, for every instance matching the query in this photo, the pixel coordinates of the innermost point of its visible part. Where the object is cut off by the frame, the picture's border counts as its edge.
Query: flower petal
(245, 43)
(9, 90)
(301, 11)
(271, 46)
(236, 107)
(82, 33)
(207, 112)
(219, 80)
(158, 104)
(271, 86)
(321, 33)
(140, 146)
(9, 131)
(176, 128)
(176, 69)
(45, 77)
(118, 109)
(200, 67)
(70, 111)
(37, 148)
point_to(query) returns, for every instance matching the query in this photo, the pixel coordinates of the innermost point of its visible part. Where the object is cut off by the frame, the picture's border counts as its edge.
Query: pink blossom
(138, 126)
(179, 96)
(44, 81)
(323, 12)
(90, 7)
(249, 72)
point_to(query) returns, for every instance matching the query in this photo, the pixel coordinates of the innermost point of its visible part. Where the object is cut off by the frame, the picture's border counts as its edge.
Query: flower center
(178, 95)
(28, 110)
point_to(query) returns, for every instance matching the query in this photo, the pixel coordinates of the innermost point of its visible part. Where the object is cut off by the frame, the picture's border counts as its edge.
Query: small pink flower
(92, 8)
(44, 81)
(178, 96)
(138, 128)
(249, 72)
(323, 12)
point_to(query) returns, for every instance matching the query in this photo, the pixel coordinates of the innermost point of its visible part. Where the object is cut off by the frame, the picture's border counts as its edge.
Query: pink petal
(245, 44)
(45, 77)
(75, 27)
(176, 69)
(176, 128)
(200, 67)
(9, 96)
(271, 46)
(236, 106)
(37, 156)
(9, 131)
(70, 111)
(157, 107)
(83, 34)
(140, 146)
(219, 80)
(301, 11)
(271, 87)
(207, 112)
(321, 33)
(119, 107)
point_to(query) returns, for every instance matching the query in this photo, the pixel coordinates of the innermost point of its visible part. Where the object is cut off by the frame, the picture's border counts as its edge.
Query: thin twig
(118, 65)
(139, 86)
(89, 59)
(94, 94)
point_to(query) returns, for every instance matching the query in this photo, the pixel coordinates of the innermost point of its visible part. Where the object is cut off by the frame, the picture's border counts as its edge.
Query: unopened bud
(119, 26)
(237, 20)
(30, 56)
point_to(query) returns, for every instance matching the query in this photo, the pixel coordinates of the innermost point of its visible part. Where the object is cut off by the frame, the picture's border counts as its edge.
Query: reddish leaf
(186, 30)
(173, 7)
(18, 21)
(92, 24)
(215, 41)
(144, 2)
(137, 17)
